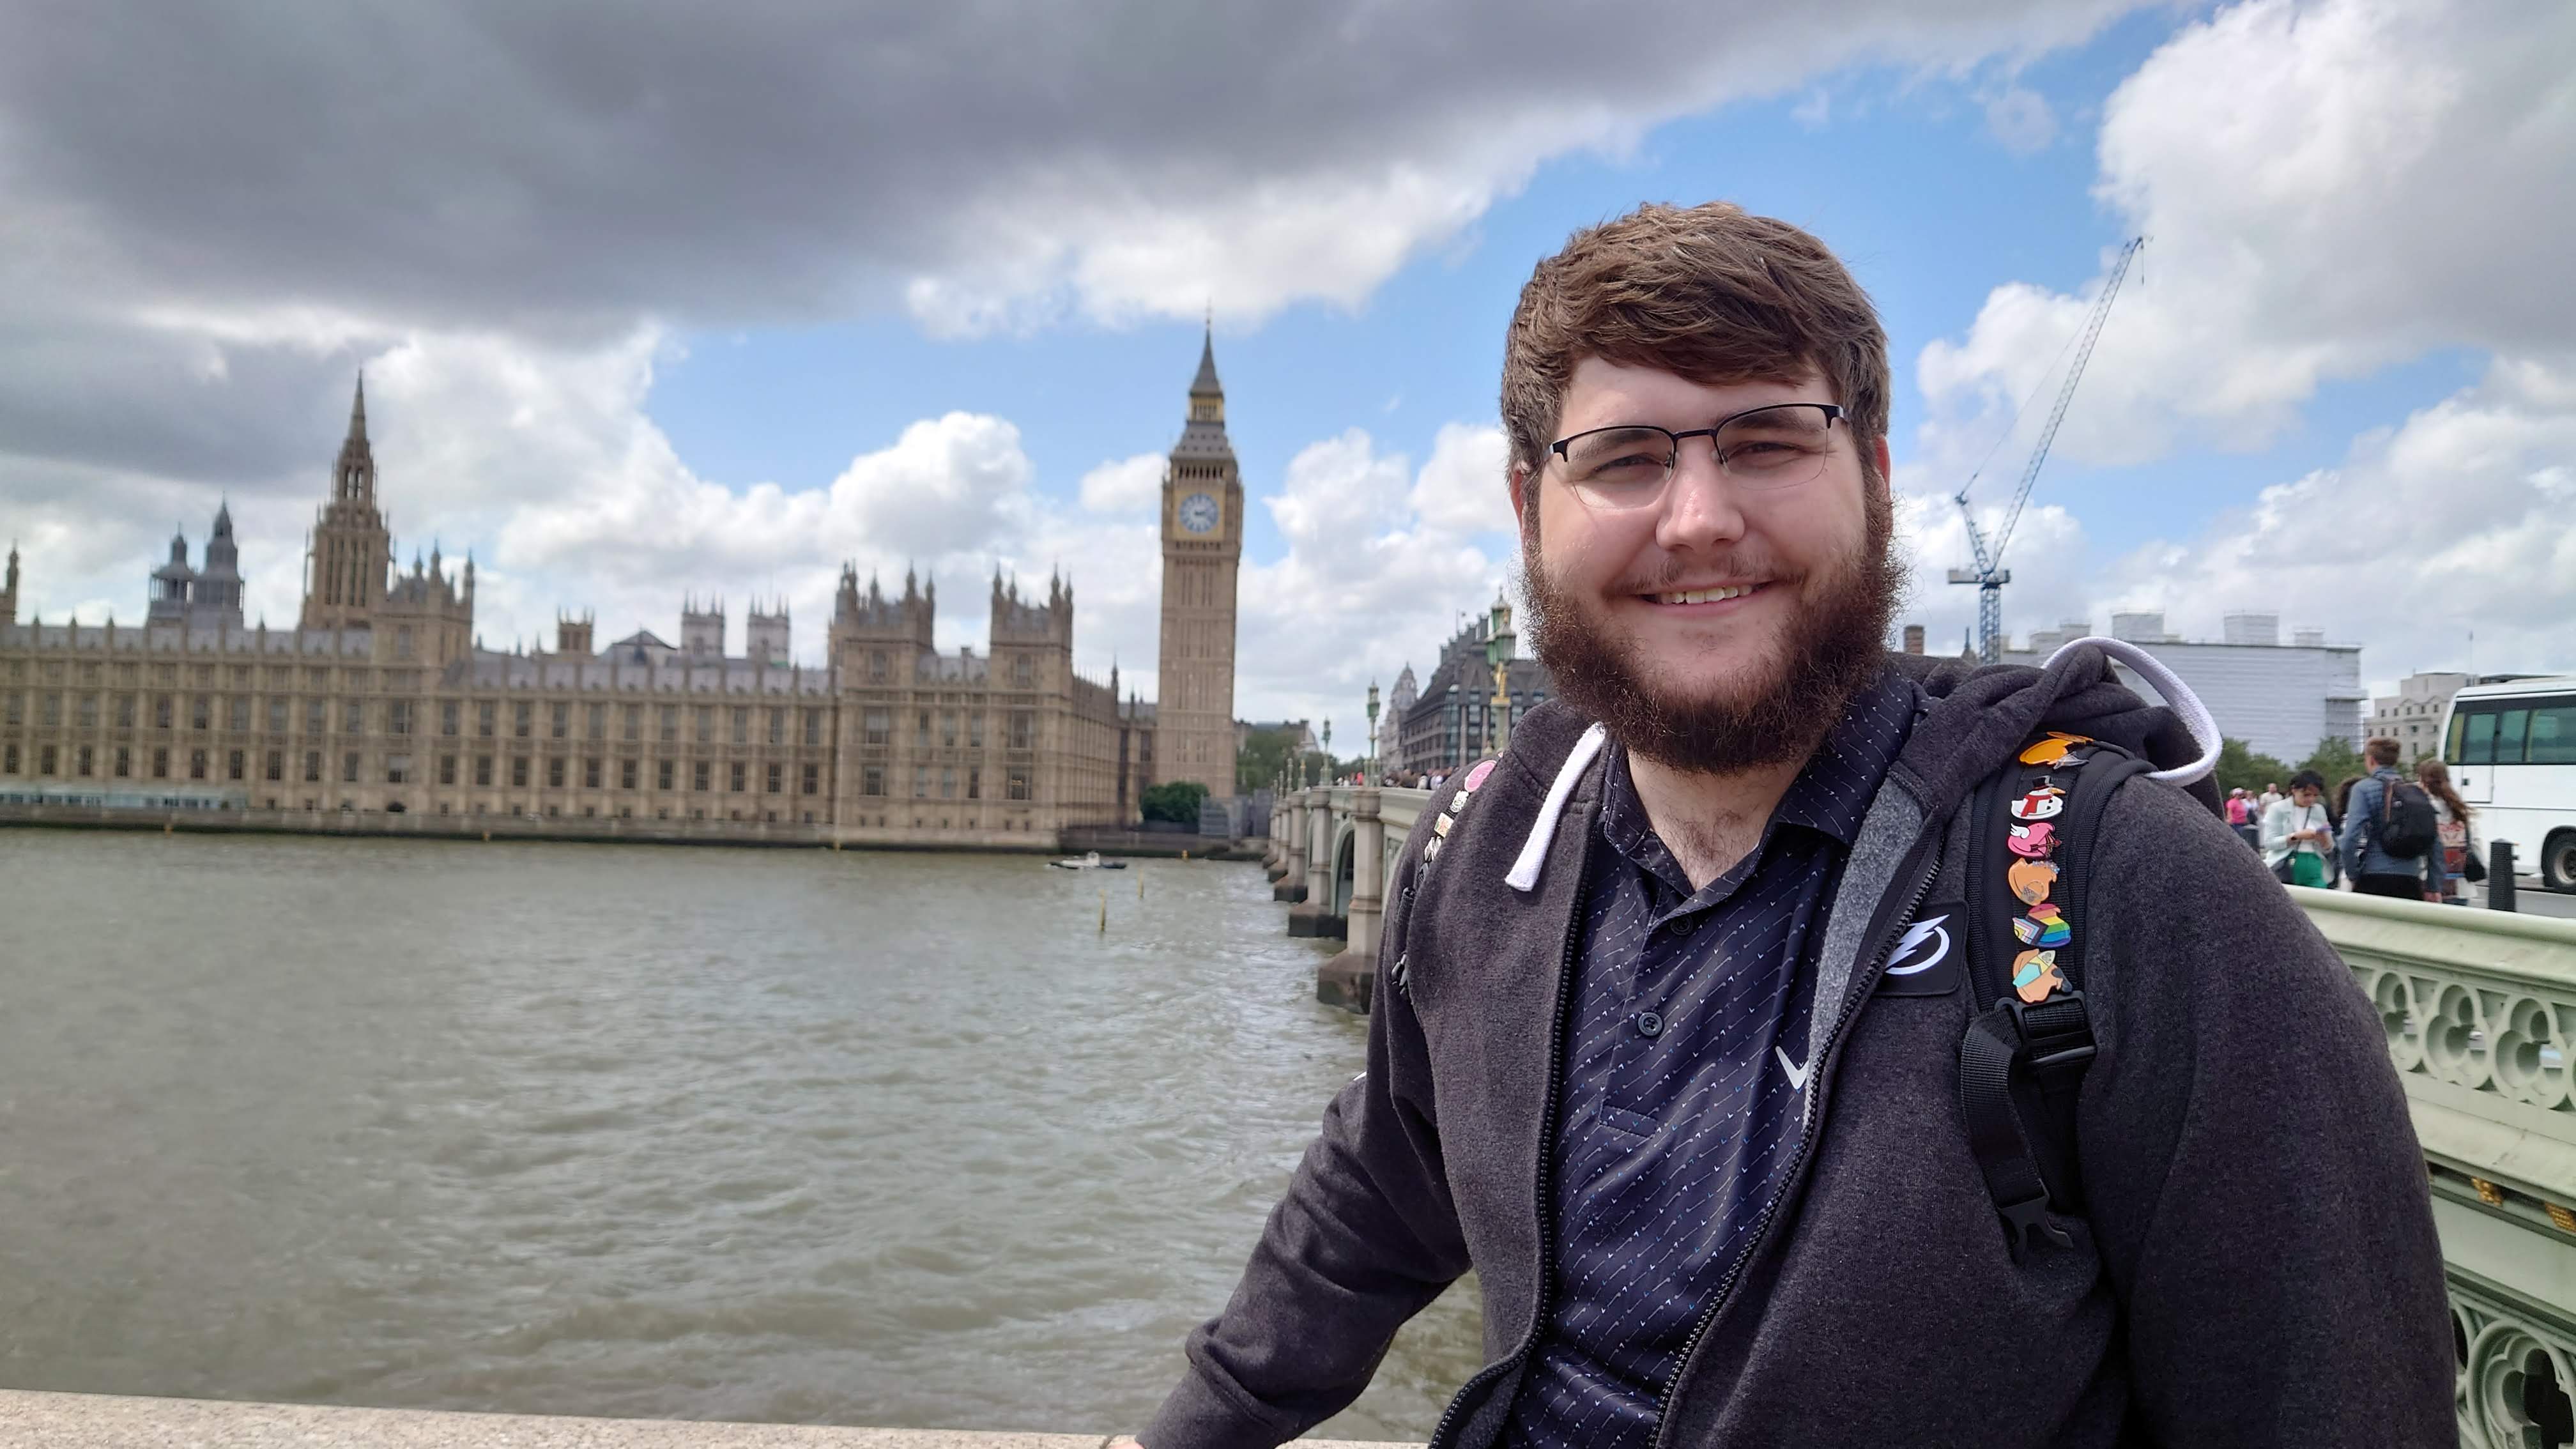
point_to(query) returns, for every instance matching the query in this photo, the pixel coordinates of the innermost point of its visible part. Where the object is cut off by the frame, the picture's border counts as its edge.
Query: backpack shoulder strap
(2031, 833)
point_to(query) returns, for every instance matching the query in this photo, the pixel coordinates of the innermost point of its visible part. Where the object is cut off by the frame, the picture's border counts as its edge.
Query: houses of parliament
(381, 698)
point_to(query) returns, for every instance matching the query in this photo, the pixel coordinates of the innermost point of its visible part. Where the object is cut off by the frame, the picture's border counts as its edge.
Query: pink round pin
(1476, 776)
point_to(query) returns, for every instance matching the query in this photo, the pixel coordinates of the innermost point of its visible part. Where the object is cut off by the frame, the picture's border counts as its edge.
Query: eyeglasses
(1778, 446)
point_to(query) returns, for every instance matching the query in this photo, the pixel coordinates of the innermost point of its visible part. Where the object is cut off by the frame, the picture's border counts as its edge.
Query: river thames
(779, 1135)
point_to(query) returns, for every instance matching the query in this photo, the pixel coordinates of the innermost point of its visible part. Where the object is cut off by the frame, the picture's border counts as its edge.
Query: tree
(2241, 766)
(1176, 801)
(2335, 761)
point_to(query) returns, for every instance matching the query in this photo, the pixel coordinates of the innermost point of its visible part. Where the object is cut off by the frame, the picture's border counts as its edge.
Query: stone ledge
(105, 1421)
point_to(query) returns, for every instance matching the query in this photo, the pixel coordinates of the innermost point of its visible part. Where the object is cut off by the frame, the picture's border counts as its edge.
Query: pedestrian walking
(2241, 817)
(2449, 869)
(2389, 829)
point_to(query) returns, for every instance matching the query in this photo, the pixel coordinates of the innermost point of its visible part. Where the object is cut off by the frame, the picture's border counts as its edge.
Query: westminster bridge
(2480, 1011)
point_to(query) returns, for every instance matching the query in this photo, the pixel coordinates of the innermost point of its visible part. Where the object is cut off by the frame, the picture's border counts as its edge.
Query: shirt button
(1649, 1024)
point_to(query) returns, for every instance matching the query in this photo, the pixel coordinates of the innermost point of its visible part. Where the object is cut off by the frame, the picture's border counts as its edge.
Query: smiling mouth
(1705, 596)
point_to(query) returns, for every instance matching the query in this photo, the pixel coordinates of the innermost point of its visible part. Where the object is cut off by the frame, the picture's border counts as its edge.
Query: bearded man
(1667, 1041)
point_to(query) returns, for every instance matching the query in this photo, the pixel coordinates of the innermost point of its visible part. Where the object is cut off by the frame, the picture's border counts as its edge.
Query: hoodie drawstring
(1523, 875)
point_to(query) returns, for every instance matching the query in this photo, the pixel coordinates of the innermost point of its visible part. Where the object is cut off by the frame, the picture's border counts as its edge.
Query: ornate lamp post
(1500, 642)
(1327, 766)
(1372, 738)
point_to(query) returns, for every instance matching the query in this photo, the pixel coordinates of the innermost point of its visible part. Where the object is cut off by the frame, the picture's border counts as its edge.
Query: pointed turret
(1205, 384)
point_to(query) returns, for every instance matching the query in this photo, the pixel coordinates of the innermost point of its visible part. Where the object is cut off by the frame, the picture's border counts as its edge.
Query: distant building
(381, 698)
(2413, 715)
(1445, 725)
(2281, 699)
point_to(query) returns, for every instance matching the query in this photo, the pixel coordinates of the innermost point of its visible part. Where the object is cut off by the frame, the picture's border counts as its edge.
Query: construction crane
(1990, 575)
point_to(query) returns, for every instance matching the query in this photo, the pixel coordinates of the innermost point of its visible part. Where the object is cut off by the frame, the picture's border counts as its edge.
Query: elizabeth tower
(1202, 545)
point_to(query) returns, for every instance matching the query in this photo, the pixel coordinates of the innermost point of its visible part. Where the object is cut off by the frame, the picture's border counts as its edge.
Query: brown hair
(2436, 780)
(1711, 294)
(2380, 751)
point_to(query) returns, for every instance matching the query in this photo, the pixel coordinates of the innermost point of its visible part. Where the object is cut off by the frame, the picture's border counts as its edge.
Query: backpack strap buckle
(2056, 1033)
(2030, 1226)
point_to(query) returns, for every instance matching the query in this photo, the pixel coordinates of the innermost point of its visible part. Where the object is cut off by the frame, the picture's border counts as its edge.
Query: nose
(1700, 509)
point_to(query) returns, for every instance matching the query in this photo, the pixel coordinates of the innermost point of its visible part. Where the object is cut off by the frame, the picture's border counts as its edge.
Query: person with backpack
(2391, 836)
(1811, 1045)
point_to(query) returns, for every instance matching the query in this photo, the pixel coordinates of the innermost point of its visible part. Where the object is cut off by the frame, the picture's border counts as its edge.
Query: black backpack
(2021, 1063)
(2407, 827)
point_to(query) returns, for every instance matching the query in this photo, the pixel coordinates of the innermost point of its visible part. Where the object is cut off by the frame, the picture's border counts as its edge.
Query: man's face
(2304, 796)
(1619, 593)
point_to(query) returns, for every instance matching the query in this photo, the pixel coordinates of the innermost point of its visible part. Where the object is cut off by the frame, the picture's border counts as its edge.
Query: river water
(792, 1135)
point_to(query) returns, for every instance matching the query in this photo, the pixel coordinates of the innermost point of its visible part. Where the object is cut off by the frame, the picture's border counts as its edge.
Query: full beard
(1834, 646)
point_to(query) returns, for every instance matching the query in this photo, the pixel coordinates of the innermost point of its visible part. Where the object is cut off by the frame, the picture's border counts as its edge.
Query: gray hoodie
(2257, 1265)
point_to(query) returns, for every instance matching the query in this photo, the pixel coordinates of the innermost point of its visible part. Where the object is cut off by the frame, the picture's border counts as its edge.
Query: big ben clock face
(1198, 513)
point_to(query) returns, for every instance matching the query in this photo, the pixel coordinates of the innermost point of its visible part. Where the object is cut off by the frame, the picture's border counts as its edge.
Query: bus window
(2509, 731)
(2553, 735)
(2478, 747)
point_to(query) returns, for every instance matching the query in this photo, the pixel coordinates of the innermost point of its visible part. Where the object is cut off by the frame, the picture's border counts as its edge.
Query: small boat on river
(1090, 861)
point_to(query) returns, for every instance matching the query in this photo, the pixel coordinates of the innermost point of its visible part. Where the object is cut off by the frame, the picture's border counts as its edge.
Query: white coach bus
(2512, 752)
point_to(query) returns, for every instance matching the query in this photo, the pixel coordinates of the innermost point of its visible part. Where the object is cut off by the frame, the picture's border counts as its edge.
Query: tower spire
(358, 411)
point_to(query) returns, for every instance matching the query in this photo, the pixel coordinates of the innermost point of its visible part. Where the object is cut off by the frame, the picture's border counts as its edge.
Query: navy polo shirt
(1684, 1079)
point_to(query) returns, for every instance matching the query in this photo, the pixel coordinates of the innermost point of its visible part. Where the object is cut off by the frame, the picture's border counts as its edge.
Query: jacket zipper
(1546, 1155)
(1807, 1131)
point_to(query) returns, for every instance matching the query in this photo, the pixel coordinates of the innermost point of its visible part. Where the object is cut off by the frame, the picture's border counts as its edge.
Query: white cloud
(2021, 120)
(1124, 485)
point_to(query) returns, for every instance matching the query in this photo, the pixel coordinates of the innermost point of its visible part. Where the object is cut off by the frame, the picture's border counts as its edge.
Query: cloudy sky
(671, 297)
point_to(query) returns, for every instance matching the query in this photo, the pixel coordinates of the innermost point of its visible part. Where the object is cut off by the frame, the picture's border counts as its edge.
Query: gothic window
(974, 783)
(879, 726)
(975, 729)
(635, 721)
(397, 769)
(813, 730)
(446, 770)
(662, 774)
(518, 772)
(590, 774)
(348, 768)
(561, 721)
(626, 773)
(596, 725)
(948, 729)
(483, 769)
(872, 780)
(13, 708)
(670, 723)
(1018, 785)
(237, 714)
(277, 716)
(920, 782)
(698, 774)
(312, 764)
(921, 730)
(50, 712)
(8, 759)
(196, 764)
(523, 715)
(125, 762)
(741, 722)
(777, 726)
(876, 666)
(1023, 729)
(1023, 671)
(398, 717)
(450, 716)
(813, 782)
(777, 777)
(948, 782)
(354, 719)
(736, 775)
(402, 641)
(45, 760)
(555, 773)
(89, 712)
(705, 723)
(161, 711)
(82, 763)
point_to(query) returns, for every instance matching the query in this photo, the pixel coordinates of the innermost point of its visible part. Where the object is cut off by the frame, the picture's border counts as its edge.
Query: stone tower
(9, 590)
(345, 566)
(1202, 547)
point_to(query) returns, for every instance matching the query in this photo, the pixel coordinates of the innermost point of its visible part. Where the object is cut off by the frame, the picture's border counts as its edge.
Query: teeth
(1705, 596)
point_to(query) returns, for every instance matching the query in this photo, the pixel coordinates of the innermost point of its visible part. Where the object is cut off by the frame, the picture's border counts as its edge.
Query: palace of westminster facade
(381, 699)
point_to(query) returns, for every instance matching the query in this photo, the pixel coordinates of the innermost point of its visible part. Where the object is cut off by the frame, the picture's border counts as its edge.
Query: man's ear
(1886, 469)
(1519, 477)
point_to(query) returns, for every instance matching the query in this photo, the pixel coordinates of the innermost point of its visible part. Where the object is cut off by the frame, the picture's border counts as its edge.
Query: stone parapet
(30, 1420)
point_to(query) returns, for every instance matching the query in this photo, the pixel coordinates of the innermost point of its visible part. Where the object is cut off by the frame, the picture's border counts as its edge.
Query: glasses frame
(1834, 412)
